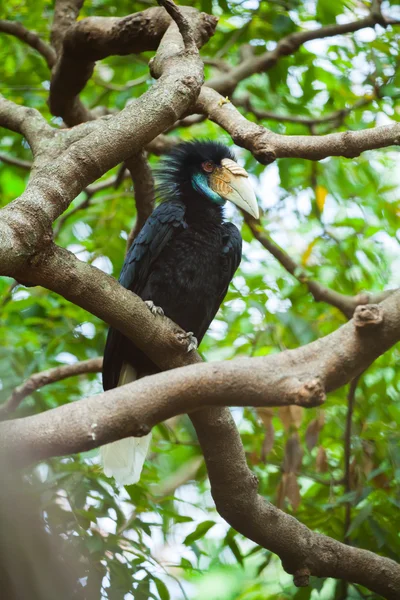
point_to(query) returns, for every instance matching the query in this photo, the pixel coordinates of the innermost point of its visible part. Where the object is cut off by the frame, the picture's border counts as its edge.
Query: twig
(336, 116)
(90, 191)
(347, 452)
(15, 162)
(347, 458)
(39, 380)
(226, 83)
(32, 39)
(346, 304)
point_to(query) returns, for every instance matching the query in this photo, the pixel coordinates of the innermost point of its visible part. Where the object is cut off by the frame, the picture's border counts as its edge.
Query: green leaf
(199, 532)
(161, 588)
(360, 518)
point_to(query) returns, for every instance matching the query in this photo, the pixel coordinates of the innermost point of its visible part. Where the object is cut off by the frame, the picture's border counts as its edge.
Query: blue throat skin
(200, 184)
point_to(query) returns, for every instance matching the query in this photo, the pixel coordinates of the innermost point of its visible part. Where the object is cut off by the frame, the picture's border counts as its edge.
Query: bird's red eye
(208, 166)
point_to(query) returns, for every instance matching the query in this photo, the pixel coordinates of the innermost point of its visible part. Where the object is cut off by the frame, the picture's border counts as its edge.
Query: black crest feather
(178, 165)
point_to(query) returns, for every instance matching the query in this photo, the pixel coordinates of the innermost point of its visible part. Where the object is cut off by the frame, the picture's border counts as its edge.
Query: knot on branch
(310, 393)
(368, 315)
(301, 577)
(207, 27)
(141, 430)
(253, 137)
(188, 86)
(265, 154)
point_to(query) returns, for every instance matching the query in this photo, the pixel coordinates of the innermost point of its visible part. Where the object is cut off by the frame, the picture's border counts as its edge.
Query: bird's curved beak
(232, 183)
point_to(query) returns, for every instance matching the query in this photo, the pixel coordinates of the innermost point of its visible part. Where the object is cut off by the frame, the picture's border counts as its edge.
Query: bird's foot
(155, 310)
(188, 337)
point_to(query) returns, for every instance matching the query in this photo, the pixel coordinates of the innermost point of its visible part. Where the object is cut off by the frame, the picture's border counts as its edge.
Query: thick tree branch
(300, 376)
(143, 186)
(95, 38)
(267, 146)
(115, 138)
(302, 552)
(346, 304)
(38, 380)
(321, 365)
(65, 15)
(32, 39)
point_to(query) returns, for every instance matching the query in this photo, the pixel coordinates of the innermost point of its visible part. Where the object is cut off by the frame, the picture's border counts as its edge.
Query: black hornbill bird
(181, 264)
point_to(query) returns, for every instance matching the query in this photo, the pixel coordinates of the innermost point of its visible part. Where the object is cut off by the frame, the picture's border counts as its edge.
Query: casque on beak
(232, 183)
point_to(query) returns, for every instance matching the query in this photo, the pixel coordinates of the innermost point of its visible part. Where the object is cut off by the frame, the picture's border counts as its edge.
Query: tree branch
(90, 192)
(336, 116)
(92, 39)
(26, 121)
(15, 162)
(115, 138)
(225, 83)
(32, 39)
(346, 304)
(182, 23)
(65, 15)
(267, 146)
(38, 380)
(314, 369)
(143, 186)
(322, 365)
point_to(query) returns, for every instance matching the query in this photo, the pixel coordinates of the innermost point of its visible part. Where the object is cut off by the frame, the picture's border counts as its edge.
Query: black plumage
(184, 257)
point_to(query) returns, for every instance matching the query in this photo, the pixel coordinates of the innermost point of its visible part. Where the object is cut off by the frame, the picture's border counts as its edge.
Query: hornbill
(180, 264)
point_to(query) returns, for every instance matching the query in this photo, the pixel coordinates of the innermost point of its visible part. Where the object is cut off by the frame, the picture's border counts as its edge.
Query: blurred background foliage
(337, 218)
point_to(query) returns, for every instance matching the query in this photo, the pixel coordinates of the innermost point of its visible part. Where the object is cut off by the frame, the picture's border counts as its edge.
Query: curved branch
(267, 146)
(143, 186)
(225, 83)
(182, 23)
(32, 39)
(26, 121)
(115, 138)
(38, 380)
(96, 38)
(65, 14)
(337, 116)
(324, 364)
(90, 191)
(319, 367)
(346, 304)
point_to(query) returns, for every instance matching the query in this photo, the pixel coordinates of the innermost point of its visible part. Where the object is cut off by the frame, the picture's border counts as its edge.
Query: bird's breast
(188, 277)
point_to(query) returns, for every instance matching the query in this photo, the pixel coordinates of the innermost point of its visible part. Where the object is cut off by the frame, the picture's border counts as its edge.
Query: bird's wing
(231, 257)
(158, 230)
(153, 237)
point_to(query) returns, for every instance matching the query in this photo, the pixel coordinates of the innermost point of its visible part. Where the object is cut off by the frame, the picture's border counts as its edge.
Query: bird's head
(206, 170)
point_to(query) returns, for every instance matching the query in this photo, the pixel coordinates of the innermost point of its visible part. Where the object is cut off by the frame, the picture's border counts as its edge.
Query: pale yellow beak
(232, 183)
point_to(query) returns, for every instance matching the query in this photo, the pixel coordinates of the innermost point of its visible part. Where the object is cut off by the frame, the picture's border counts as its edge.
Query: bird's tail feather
(124, 459)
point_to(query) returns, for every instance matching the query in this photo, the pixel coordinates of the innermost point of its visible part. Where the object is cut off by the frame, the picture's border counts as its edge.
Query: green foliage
(337, 218)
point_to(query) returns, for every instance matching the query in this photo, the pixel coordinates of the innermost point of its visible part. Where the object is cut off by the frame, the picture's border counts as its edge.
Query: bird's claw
(191, 340)
(155, 310)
